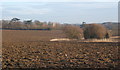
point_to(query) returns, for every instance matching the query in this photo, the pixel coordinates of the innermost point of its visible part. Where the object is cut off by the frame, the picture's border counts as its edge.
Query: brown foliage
(73, 31)
(95, 31)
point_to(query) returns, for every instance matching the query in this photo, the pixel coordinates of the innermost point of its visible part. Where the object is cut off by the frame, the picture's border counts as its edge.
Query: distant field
(31, 35)
(32, 49)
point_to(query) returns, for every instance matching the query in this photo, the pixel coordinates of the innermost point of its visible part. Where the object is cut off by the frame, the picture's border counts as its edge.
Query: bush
(73, 31)
(95, 31)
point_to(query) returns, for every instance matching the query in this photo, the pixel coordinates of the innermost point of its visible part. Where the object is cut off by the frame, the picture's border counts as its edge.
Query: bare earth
(30, 35)
(32, 49)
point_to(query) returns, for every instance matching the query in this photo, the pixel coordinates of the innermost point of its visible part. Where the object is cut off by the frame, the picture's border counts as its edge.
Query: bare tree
(95, 31)
(73, 31)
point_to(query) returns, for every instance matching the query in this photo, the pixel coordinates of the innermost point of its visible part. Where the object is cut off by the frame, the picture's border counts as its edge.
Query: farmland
(31, 35)
(33, 49)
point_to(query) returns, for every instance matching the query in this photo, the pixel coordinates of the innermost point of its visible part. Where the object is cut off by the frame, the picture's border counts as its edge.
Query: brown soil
(32, 49)
(31, 35)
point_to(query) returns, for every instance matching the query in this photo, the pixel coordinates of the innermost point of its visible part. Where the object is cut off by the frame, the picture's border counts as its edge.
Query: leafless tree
(73, 31)
(95, 31)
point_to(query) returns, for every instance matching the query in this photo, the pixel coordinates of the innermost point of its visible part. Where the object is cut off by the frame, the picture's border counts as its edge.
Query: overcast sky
(59, 0)
(65, 11)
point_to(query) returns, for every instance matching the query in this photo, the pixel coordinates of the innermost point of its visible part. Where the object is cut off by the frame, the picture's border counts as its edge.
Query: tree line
(87, 31)
(15, 23)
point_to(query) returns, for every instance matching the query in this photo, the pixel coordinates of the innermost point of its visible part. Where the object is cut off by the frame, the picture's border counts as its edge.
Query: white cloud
(8, 17)
(0, 11)
(60, 0)
(29, 11)
(94, 5)
(26, 9)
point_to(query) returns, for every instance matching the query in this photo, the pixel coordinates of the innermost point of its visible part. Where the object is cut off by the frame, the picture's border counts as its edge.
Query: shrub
(73, 31)
(95, 31)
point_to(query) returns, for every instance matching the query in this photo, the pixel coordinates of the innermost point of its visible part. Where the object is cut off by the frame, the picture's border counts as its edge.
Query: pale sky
(59, 0)
(65, 11)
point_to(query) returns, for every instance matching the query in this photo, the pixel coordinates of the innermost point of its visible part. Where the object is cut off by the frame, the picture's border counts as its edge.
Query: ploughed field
(32, 49)
(31, 35)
